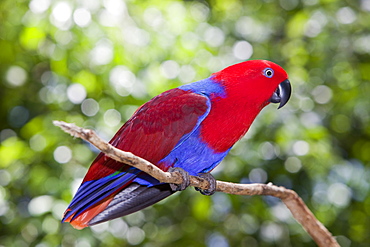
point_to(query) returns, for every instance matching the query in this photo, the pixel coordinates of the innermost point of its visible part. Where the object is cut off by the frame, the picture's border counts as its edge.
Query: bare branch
(294, 203)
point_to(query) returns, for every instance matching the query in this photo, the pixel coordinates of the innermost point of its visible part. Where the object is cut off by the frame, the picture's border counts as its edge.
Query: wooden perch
(295, 204)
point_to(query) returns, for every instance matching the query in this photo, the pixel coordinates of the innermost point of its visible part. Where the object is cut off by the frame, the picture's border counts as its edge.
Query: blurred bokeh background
(94, 62)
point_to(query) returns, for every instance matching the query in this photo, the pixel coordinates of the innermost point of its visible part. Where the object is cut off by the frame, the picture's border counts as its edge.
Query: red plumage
(191, 127)
(153, 131)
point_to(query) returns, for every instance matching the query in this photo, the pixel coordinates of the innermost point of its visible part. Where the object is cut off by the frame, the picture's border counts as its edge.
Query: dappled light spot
(249, 224)
(115, 7)
(29, 233)
(7, 133)
(153, 17)
(346, 15)
(177, 13)
(122, 79)
(187, 74)
(37, 142)
(362, 44)
(268, 151)
(214, 36)
(62, 154)
(271, 231)
(82, 17)
(112, 117)
(39, 6)
(118, 228)
(76, 93)
(4, 205)
(170, 69)
(61, 15)
(217, 240)
(322, 94)
(18, 116)
(49, 78)
(293, 164)
(62, 11)
(106, 19)
(5, 178)
(40, 205)
(365, 5)
(16, 76)
(221, 204)
(216, 63)
(319, 196)
(306, 104)
(281, 212)
(90, 107)
(100, 228)
(63, 37)
(135, 235)
(102, 53)
(339, 194)
(315, 24)
(258, 175)
(300, 148)
(313, 28)
(135, 219)
(82, 242)
(242, 50)
(252, 29)
(289, 4)
(50, 225)
(199, 11)
(343, 241)
(53, 94)
(310, 2)
(136, 36)
(58, 208)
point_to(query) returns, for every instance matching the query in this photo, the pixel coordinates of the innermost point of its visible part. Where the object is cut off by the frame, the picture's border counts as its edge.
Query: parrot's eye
(268, 72)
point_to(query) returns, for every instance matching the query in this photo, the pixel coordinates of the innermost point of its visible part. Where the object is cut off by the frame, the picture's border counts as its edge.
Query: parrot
(189, 129)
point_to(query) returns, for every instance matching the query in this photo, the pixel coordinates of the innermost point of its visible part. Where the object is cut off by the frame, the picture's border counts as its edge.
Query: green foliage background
(122, 53)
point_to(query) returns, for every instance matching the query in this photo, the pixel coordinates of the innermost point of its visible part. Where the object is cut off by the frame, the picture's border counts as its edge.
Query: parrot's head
(257, 82)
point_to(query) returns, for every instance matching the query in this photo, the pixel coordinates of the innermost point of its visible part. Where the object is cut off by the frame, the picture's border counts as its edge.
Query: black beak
(282, 93)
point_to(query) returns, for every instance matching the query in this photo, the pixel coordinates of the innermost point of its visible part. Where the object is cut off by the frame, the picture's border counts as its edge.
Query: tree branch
(295, 204)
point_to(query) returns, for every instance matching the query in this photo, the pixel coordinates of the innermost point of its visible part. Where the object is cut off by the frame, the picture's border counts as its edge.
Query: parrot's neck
(228, 121)
(232, 111)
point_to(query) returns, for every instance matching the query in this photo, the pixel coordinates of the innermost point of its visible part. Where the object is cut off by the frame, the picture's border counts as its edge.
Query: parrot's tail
(131, 199)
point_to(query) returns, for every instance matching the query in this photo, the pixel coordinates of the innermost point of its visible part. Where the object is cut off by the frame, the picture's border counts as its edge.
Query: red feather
(154, 130)
(248, 91)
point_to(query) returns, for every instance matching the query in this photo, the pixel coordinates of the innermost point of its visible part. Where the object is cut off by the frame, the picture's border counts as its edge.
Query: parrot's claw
(212, 184)
(185, 179)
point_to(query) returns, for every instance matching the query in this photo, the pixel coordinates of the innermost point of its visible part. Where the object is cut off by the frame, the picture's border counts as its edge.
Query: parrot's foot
(185, 179)
(212, 184)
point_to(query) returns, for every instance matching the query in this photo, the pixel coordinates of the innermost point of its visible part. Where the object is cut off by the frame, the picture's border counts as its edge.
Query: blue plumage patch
(208, 87)
(194, 156)
(91, 192)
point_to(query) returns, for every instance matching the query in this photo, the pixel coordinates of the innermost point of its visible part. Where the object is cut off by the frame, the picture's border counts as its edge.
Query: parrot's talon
(212, 184)
(185, 179)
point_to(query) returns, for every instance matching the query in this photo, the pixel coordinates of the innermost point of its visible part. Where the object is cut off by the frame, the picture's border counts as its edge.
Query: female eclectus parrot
(190, 128)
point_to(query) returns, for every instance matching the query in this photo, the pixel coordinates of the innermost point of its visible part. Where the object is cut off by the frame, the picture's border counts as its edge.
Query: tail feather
(133, 198)
(92, 192)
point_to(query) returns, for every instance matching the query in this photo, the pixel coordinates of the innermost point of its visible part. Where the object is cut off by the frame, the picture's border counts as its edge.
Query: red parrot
(190, 128)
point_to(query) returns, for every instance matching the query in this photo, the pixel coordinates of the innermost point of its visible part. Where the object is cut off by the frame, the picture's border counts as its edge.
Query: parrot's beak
(282, 93)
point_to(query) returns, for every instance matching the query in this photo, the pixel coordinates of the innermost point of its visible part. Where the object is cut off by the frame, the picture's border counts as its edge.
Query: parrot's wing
(154, 130)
